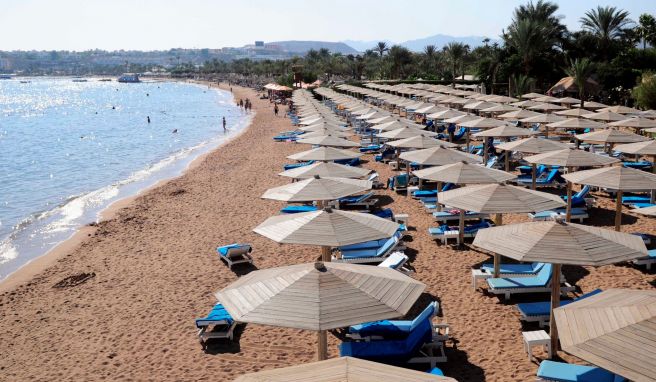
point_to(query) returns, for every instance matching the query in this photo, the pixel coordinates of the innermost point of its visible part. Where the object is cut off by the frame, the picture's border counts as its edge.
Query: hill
(302, 47)
(439, 40)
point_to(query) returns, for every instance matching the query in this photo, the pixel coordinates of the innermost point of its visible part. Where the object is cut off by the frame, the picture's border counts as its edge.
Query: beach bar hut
(320, 296)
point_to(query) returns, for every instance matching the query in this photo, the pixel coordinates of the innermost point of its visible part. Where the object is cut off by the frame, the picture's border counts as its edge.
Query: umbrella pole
(438, 206)
(421, 181)
(653, 165)
(467, 134)
(461, 228)
(533, 174)
(568, 216)
(407, 174)
(555, 302)
(507, 160)
(325, 253)
(322, 349)
(497, 258)
(484, 150)
(618, 210)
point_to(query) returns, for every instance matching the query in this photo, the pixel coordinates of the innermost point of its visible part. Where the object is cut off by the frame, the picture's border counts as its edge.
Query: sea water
(69, 149)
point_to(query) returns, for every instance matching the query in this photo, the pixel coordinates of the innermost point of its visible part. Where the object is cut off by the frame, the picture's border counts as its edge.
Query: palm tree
(456, 51)
(580, 70)
(381, 48)
(544, 13)
(529, 38)
(399, 57)
(607, 24)
(647, 29)
(430, 55)
(522, 84)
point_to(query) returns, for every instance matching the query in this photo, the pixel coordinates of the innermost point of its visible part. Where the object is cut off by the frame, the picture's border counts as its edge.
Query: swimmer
(148, 118)
(175, 131)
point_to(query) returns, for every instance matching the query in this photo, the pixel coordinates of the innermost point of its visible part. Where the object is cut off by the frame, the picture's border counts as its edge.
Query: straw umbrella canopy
(568, 100)
(324, 154)
(324, 125)
(639, 148)
(328, 140)
(577, 123)
(462, 118)
(500, 109)
(439, 156)
(450, 113)
(481, 123)
(648, 113)
(574, 112)
(647, 211)
(498, 199)
(613, 330)
(393, 125)
(419, 142)
(519, 114)
(543, 118)
(479, 105)
(606, 116)
(592, 105)
(619, 109)
(326, 169)
(504, 131)
(546, 99)
(502, 99)
(317, 188)
(546, 107)
(324, 132)
(616, 178)
(320, 296)
(342, 369)
(524, 104)
(560, 243)
(611, 136)
(464, 173)
(531, 95)
(636, 123)
(405, 132)
(532, 145)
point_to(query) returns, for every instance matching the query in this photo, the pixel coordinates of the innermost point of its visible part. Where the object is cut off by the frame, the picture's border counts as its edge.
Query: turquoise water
(69, 149)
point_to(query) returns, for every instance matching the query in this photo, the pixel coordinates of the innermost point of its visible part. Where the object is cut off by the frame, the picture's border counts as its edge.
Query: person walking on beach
(148, 118)
(275, 109)
(224, 124)
(241, 104)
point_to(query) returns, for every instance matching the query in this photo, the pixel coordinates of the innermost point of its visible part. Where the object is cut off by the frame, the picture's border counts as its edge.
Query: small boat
(79, 79)
(129, 78)
(25, 82)
(105, 80)
(6, 76)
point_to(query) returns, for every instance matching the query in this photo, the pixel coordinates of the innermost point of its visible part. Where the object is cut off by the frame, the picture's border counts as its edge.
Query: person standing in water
(148, 118)
(224, 124)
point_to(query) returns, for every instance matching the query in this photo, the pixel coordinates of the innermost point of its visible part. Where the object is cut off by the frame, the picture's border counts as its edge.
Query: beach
(118, 301)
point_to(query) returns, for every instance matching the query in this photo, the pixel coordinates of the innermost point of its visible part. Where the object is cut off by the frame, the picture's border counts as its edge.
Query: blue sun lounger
(298, 209)
(445, 232)
(578, 199)
(579, 214)
(236, 253)
(514, 269)
(540, 283)
(641, 205)
(417, 347)
(540, 311)
(633, 199)
(218, 324)
(447, 216)
(527, 172)
(364, 200)
(392, 328)
(553, 178)
(373, 244)
(647, 261)
(371, 255)
(297, 165)
(642, 165)
(565, 372)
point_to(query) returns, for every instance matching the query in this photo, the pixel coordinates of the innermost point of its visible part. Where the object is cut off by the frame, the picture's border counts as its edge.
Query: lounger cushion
(540, 280)
(363, 253)
(391, 328)
(394, 261)
(564, 372)
(542, 308)
(436, 371)
(298, 209)
(223, 251)
(218, 315)
(514, 268)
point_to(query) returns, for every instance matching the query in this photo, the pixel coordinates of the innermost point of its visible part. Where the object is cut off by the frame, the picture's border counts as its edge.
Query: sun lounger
(297, 165)
(348, 162)
(578, 199)
(234, 254)
(372, 244)
(436, 371)
(647, 261)
(370, 149)
(418, 345)
(565, 372)
(527, 172)
(385, 213)
(579, 214)
(454, 215)
(376, 183)
(641, 205)
(364, 200)
(645, 237)
(392, 328)
(396, 261)
(553, 178)
(514, 270)
(218, 324)
(642, 165)
(445, 232)
(297, 209)
(371, 255)
(633, 199)
(540, 283)
(424, 193)
(540, 311)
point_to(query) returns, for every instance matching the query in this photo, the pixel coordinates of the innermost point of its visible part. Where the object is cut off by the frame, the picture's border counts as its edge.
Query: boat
(6, 76)
(129, 78)
(79, 79)
(105, 80)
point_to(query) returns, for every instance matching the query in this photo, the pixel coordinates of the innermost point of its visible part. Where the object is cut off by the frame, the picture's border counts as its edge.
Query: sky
(164, 24)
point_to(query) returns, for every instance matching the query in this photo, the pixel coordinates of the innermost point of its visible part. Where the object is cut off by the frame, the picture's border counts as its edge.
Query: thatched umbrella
(500, 109)
(560, 243)
(577, 112)
(320, 296)
(531, 95)
(326, 169)
(619, 109)
(317, 188)
(519, 114)
(569, 158)
(616, 178)
(498, 199)
(546, 107)
(504, 131)
(592, 105)
(546, 99)
(328, 140)
(606, 116)
(568, 101)
(610, 136)
(464, 173)
(324, 132)
(543, 118)
(342, 369)
(481, 123)
(324, 154)
(636, 123)
(439, 156)
(577, 123)
(525, 104)
(613, 330)
(446, 114)
(640, 148)
(419, 142)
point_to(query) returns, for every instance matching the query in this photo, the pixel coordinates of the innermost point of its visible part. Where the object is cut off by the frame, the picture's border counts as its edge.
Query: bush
(645, 92)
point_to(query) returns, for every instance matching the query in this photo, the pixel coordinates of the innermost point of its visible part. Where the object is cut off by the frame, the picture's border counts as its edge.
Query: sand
(141, 277)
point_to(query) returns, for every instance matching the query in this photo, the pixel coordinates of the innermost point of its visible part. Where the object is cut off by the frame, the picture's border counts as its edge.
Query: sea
(68, 149)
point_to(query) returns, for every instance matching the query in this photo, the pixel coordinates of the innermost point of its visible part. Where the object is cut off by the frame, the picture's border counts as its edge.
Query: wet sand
(134, 285)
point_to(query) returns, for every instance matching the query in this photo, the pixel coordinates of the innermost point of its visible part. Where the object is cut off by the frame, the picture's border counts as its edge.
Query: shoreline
(40, 263)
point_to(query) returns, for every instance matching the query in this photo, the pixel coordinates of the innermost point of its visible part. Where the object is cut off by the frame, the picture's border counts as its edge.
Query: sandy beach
(119, 301)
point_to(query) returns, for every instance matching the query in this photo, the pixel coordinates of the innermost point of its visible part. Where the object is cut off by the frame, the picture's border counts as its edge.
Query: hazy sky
(164, 24)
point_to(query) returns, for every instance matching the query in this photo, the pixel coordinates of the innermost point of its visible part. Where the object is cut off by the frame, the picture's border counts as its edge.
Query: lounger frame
(238, 255)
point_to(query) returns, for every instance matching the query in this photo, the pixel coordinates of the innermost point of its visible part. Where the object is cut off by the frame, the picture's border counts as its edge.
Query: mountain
(439, 40)
(361, 46)
(303, 46)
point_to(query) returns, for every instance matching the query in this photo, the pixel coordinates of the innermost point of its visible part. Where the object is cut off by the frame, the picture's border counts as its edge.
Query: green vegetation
(645, 92)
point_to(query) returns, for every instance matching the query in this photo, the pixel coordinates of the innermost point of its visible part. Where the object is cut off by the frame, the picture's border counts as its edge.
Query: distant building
(259, 44)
